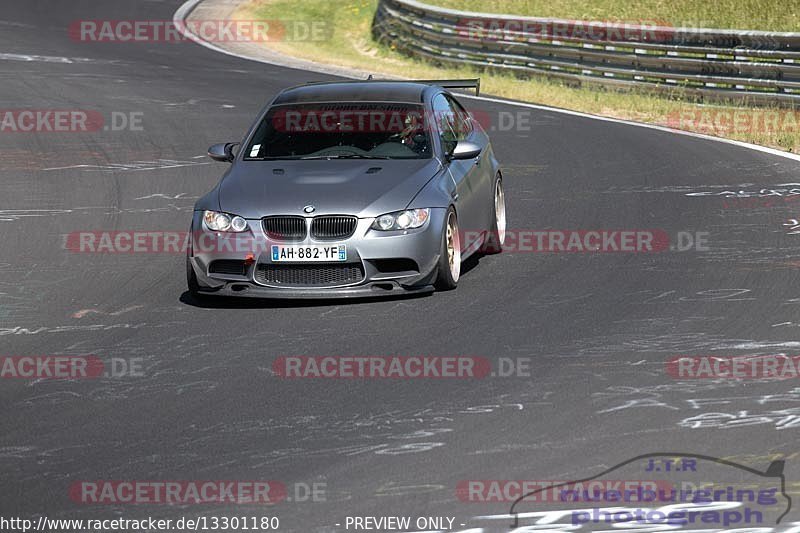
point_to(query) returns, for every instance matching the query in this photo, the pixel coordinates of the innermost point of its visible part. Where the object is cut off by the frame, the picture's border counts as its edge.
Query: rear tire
(493, 243)
(449, 270)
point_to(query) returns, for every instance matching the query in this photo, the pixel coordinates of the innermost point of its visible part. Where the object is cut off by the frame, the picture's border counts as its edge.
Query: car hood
(365, 188)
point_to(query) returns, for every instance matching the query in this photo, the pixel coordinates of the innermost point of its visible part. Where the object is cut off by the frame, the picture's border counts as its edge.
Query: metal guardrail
(754, 67)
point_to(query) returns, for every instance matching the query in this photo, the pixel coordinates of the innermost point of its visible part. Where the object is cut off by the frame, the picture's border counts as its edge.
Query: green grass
(351, 45)
(772, 15)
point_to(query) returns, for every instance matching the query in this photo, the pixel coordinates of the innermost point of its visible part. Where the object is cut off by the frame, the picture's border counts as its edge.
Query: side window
(445, 121)
(463, 123)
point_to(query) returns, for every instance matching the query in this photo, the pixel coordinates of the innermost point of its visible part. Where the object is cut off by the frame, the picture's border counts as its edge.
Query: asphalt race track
(597, 329)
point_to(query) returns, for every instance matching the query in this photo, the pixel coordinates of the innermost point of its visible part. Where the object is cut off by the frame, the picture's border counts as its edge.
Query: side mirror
(466, 150)
(222, 152)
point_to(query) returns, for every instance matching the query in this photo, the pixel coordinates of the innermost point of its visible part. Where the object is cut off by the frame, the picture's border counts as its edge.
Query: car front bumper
(375, 253)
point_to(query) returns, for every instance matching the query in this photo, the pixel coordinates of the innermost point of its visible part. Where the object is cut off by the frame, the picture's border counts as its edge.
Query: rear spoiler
(471, 83)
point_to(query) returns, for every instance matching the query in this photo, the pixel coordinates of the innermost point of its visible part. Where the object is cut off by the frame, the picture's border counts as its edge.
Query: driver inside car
(412, 135)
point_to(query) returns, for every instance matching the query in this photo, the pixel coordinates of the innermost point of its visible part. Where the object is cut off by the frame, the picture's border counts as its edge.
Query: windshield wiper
(346, 156)
(359, 156)
(273, 158)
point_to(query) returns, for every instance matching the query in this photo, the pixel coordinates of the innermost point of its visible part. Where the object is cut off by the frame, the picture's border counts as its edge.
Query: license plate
(299, 253)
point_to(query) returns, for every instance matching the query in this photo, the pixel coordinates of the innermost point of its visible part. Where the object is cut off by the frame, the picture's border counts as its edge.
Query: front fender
(437, 193)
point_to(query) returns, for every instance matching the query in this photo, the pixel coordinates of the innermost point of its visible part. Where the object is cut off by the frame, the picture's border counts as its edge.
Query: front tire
(449, 270)
(191, 279)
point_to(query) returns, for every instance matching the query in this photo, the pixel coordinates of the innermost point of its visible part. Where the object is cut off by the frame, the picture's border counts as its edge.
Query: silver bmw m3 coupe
(348, 189)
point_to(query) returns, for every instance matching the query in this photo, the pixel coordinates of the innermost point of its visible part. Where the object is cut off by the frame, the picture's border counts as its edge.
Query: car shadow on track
(470, 263)
(232, 302)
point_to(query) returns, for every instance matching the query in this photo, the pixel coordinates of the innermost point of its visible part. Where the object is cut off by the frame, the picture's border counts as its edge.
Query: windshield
(342, 130)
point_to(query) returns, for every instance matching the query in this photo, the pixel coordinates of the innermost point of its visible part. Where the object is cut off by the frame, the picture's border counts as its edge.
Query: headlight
(216, 221)
(409, 219)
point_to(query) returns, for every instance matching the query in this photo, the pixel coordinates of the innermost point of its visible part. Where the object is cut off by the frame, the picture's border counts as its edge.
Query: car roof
(355, 91)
